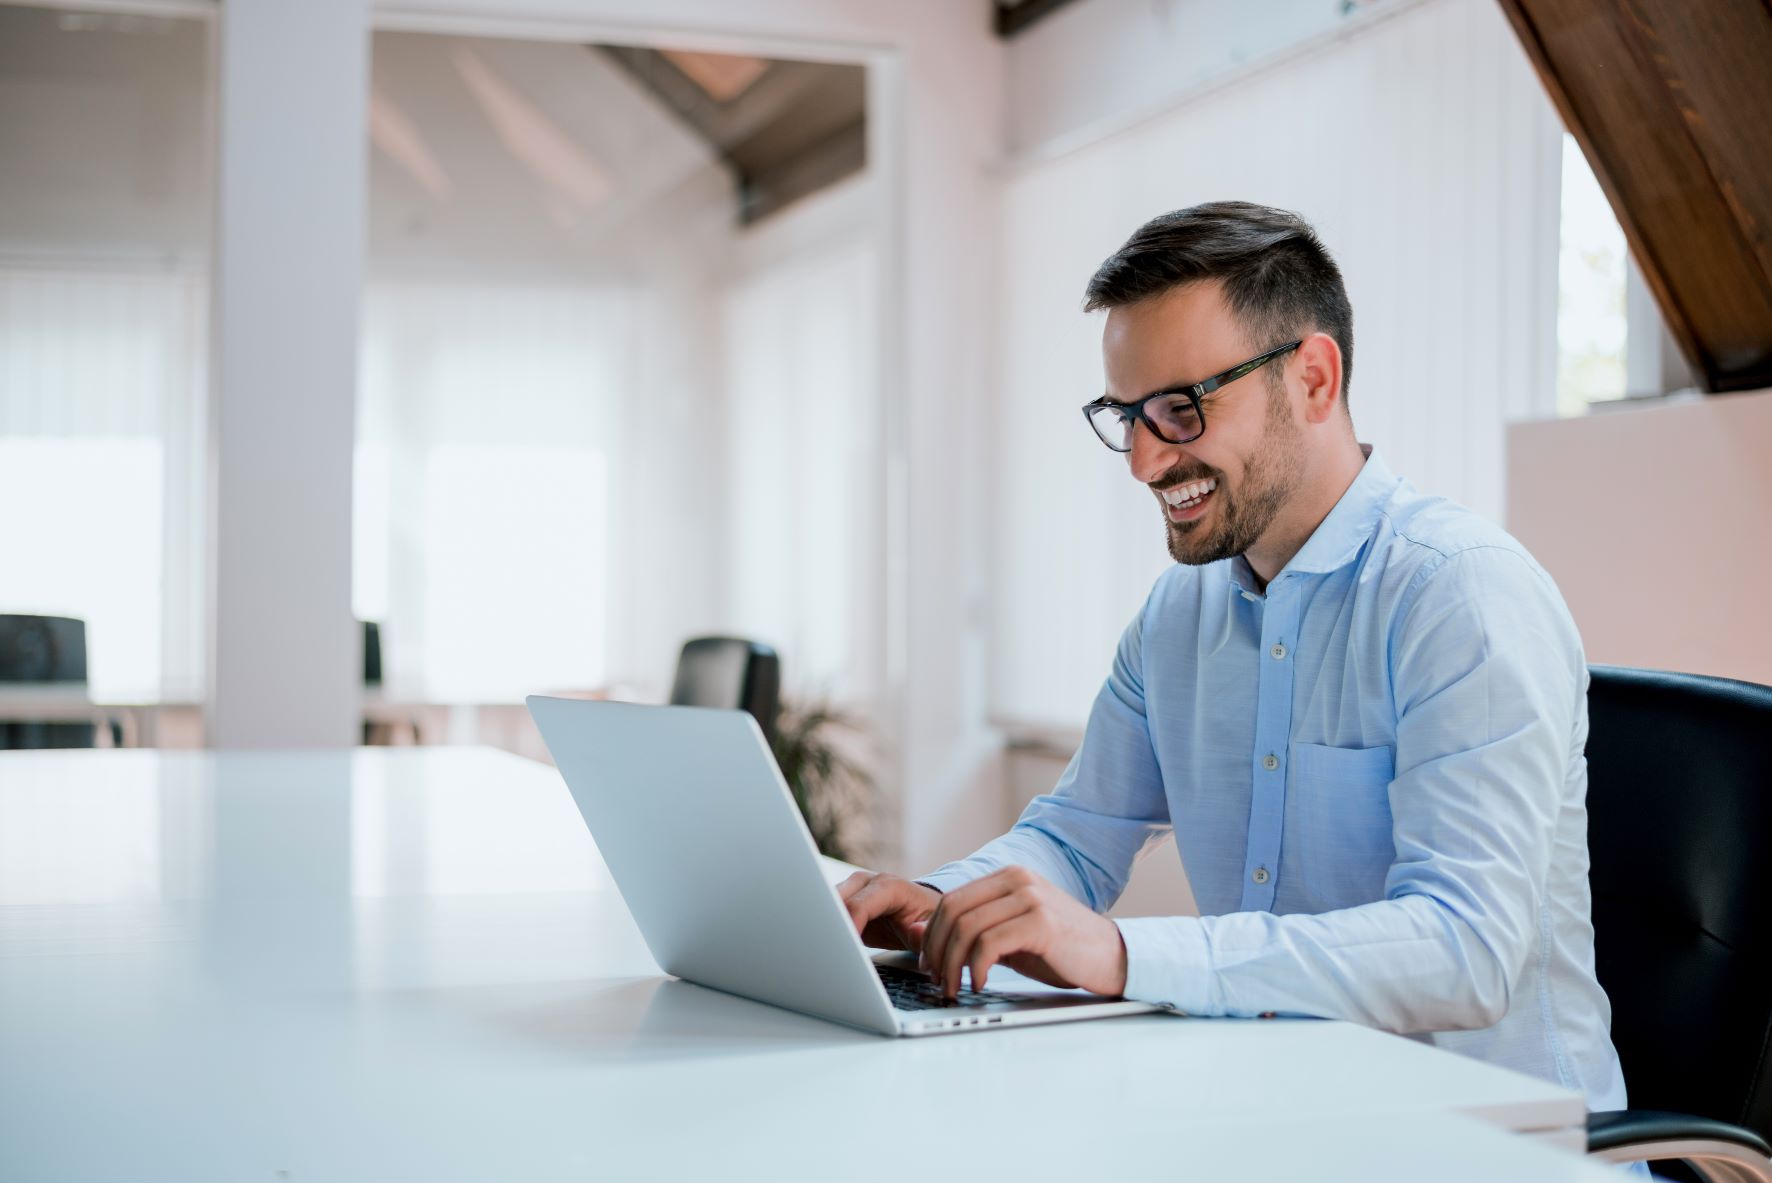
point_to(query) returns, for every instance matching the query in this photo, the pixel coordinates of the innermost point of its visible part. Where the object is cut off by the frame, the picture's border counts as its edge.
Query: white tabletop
(411, 963)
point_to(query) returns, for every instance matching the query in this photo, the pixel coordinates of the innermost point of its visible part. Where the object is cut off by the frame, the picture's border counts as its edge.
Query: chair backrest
(43, 649)
(733, 673)
(371, 653)
(1679, 823)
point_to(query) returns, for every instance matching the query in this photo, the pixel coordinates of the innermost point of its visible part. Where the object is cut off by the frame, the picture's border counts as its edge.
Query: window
(104, 215)
(100, 388)
(1591, 268)
(482, 485)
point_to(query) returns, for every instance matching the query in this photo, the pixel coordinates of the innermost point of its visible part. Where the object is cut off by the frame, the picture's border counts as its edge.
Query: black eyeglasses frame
(1135, 412)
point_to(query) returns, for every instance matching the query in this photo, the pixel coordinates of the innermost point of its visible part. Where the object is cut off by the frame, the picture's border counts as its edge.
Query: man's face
(1252, 450)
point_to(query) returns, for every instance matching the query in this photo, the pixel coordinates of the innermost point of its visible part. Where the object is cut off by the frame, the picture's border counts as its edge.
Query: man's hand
(1016, 918)
(888, 912)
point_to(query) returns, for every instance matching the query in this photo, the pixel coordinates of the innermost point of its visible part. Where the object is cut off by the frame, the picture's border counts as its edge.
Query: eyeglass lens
(1176, 420)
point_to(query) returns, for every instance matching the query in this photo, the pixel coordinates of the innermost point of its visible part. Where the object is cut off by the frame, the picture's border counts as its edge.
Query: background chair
(382, 731)
(46, 649)
(733, 673)
(1679, 818)
(371, 652)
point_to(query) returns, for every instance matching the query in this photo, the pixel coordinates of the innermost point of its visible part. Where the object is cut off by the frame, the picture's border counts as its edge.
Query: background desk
(137, 715)
(411, 964)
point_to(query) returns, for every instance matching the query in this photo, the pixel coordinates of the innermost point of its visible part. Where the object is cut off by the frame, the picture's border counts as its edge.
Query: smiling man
(1361, 710)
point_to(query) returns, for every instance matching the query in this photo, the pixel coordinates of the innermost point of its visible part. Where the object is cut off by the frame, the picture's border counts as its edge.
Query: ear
(1318, 370)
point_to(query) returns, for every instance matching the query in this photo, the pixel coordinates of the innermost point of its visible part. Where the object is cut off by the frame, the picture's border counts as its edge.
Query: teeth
(1183, 494)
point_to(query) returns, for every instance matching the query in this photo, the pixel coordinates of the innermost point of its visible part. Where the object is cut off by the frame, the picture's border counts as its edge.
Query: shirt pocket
(1338, 846)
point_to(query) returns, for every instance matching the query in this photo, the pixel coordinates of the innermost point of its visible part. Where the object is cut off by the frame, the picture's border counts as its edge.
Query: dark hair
(1278, 279)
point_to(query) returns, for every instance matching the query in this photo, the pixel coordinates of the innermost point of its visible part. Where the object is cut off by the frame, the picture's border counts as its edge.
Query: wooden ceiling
(1012, 16)
(1671, 100)
(786, 129)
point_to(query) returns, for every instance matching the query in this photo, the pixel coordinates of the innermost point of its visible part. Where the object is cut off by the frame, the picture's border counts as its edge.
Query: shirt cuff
(1168, 961)
(944, 880)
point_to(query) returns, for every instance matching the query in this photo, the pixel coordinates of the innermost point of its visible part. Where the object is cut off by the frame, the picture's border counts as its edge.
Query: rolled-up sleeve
(1487, 675)
(1107, 807)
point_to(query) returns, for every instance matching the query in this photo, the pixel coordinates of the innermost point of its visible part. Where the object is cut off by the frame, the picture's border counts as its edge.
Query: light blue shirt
(1374, 773)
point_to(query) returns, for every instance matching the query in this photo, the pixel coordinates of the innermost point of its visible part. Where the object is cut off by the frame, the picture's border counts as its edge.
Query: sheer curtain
(101, 430)
(800, 346)
(483, 484)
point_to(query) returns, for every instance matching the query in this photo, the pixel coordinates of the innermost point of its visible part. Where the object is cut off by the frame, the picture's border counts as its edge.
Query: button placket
(1273, 728)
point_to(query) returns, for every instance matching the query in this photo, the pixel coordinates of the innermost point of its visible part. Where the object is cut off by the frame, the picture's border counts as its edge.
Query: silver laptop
(714, 861)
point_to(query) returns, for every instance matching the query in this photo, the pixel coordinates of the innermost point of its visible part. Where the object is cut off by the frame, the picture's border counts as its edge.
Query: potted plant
(815, 744)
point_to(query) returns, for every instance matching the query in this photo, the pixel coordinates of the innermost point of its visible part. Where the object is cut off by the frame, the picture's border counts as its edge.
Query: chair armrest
(1622, 1127)
(1715, 1149)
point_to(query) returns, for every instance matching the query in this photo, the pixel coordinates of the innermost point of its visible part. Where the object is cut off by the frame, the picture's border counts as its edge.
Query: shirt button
(1279, 649)
(1260, 875)
(1270, 762)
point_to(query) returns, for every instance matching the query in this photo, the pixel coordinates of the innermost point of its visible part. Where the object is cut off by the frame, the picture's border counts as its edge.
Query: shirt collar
(1339, 537)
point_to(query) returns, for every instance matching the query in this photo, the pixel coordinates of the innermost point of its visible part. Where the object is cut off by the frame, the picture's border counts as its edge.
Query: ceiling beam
(1013, 16)
(1669, 100)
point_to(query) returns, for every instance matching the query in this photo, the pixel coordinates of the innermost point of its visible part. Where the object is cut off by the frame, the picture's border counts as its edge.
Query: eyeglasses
(1174, 415)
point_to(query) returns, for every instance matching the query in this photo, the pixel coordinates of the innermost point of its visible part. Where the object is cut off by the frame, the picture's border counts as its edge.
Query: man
(1361, 709)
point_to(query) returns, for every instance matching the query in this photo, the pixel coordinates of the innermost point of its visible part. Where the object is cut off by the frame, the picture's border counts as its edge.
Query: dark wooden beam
(1012, 18)
(1671, 101)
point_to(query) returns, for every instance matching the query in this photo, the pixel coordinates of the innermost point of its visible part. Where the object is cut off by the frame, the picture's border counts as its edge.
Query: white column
(291, 159)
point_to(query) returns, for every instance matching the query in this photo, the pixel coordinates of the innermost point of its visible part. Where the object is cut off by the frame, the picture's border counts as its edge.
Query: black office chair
(48, 649)
(380, 733)
(371, 652)
(733, 673)
(1679, 821)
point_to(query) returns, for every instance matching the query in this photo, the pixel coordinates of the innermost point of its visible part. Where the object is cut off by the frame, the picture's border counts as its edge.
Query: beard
(1270, 476)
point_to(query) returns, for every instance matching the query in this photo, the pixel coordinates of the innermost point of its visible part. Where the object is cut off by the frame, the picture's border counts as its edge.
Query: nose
(1150, 457)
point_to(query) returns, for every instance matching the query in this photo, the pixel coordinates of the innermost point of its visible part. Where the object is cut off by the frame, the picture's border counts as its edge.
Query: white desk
(411, 964)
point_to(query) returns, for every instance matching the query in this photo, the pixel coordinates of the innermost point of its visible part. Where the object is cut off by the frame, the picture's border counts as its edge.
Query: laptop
(711, 855)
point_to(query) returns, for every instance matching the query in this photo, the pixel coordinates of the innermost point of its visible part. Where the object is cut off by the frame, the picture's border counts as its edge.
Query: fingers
(865, 901)
(961, 900)
(967, 941)
(887, 911)
(1005, 940)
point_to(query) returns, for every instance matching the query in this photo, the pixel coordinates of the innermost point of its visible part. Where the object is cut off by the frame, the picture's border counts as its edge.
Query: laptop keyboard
(913, 991)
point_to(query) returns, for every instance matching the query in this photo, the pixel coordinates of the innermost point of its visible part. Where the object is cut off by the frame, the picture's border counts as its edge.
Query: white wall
(1102, 63)
(1674, 579)
(801, 349)
(1426, 154)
